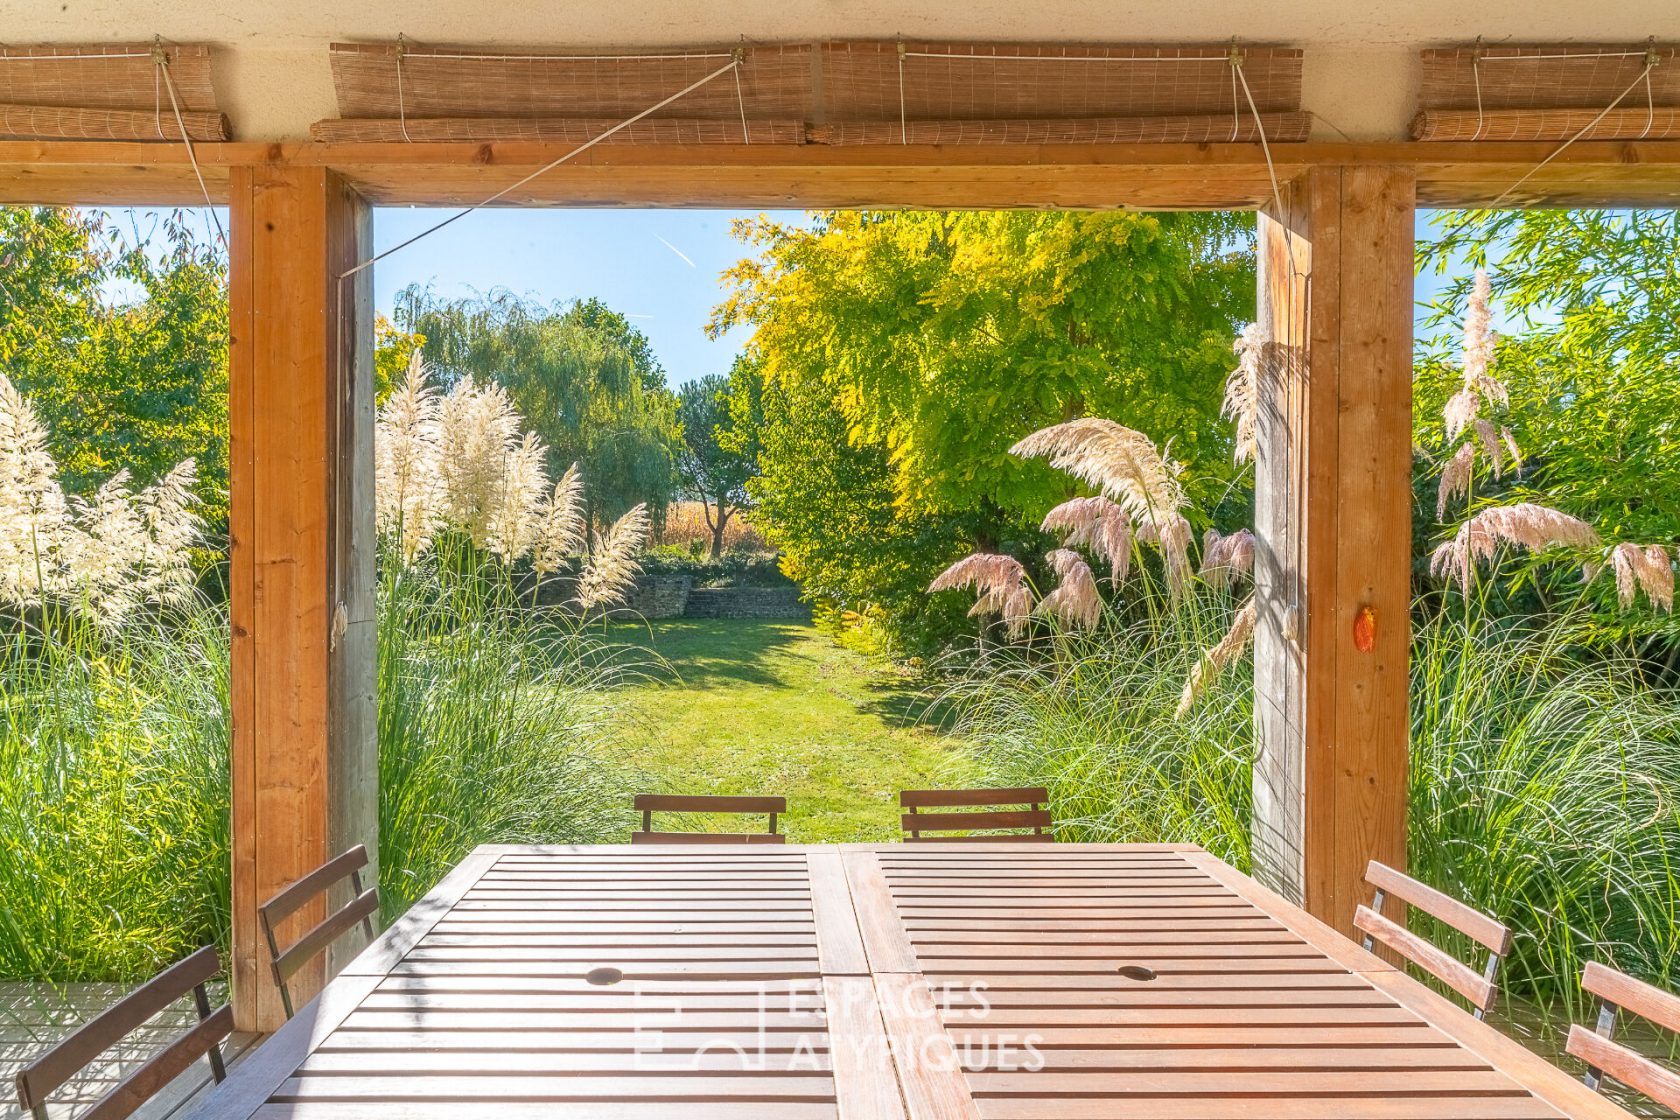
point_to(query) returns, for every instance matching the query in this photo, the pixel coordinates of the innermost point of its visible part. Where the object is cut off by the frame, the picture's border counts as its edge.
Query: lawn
(747, 706)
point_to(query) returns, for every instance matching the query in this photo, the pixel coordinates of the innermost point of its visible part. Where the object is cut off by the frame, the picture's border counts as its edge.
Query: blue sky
(659, 267)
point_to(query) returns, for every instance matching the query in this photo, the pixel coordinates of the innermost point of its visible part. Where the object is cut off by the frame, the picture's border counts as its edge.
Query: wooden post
(304, 766)
(1333, 523)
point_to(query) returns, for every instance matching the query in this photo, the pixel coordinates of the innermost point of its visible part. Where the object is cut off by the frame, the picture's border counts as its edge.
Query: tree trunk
(717, 529)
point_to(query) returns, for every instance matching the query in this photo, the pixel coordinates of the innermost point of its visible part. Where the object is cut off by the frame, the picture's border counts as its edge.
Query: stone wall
(746, 602)
(668, 595)
(660, 596)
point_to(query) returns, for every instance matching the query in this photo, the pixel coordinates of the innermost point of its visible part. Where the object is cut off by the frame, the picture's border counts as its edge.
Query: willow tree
(907, 352)
(586, 381)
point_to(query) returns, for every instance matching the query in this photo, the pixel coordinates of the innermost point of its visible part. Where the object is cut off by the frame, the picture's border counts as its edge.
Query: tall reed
(1091, 716)
(496, 721)
(113, 794)
(1545, 789)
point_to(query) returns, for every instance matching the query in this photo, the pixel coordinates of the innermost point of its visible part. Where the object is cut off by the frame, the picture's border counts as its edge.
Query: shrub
(1091, 716)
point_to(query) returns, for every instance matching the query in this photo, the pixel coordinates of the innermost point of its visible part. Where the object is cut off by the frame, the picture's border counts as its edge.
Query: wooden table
(878, 982)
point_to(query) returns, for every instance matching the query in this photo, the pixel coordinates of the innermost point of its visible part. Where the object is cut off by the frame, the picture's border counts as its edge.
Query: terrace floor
(34, 1015)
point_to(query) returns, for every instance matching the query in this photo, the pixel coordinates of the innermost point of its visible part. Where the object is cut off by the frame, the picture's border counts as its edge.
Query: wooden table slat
(1005, 981)
(839, 944)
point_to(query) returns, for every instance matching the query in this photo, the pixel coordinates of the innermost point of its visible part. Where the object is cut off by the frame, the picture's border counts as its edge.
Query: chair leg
(201, 1000)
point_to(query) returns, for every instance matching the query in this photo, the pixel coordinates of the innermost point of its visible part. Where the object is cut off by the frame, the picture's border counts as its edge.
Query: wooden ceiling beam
(1143, 176)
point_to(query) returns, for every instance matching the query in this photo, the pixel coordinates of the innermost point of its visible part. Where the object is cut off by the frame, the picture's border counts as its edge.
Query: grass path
(777, 707)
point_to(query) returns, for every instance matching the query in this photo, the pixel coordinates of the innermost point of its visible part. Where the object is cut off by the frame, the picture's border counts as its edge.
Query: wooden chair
(1617, 990)
(48, 1073)
(360, 908)
(1478, 988)
(1033, 816)
(650, 803)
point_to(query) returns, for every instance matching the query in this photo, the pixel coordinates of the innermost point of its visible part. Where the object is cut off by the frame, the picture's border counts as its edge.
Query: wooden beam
(303, 766)
(1162, 176)
(1333, 520)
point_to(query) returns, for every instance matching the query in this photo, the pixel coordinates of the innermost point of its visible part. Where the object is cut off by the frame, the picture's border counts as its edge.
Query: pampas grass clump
(97, 559)
(458, 462)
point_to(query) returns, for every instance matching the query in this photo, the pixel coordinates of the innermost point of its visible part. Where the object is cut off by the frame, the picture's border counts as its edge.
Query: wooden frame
(302, 768)
(1163, 176)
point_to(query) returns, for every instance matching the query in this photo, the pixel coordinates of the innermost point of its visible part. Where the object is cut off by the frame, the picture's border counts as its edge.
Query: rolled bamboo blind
(1549, 93)
(821, 93)
(107, 92)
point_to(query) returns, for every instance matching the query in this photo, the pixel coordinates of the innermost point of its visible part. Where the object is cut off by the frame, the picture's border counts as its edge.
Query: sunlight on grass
(777, 708)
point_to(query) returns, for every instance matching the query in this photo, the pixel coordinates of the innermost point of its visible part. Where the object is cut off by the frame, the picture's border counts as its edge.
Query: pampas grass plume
(1525, 524)
(1075, 600)
(1097, 525)
(613, 567)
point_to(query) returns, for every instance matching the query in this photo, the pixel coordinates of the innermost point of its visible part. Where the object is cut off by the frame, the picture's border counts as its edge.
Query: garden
(1006, 457)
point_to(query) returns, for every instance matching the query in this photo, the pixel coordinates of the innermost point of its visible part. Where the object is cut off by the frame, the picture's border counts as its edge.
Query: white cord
(1063, 57)
(570, 57)
(1562, 57)
(1644, 76)
(402, 105)
(192, 156)
(1260, 126)
(903, 116)
(1476, 73)
(1236, 107)
(543, 170)
(7, 56)
(740, 98)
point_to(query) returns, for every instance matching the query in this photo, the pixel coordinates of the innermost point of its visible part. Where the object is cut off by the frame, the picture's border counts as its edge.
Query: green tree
(829, 506)
(718, 454)
(1596, 295)
(121, 342)
(585, 380)
(916, 348)
(392, 351)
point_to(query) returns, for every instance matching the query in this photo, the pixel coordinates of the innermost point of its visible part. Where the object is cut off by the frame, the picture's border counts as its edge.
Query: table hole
(604, 977)
(1136, 972)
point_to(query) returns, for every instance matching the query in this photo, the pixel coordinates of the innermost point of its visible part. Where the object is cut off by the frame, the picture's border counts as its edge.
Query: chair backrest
(47, 1073)
(1478, 988)
(363, 903)
(650, 803)
(1604, 1058)
(1026, 811)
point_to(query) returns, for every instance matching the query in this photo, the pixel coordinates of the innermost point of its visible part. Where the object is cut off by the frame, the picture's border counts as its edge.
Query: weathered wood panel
(1333, 527)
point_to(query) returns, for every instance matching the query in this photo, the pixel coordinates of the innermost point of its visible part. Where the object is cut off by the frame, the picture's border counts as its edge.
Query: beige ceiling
(273, 77)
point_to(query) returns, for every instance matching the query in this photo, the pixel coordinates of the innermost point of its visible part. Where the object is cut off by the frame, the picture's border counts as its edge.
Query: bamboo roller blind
(823, 93)
(1549, 93)
(106, 92)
